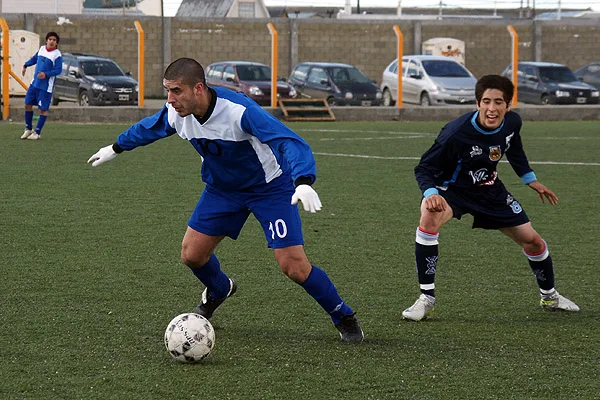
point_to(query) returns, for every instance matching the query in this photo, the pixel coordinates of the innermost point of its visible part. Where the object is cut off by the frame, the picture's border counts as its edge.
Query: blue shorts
(491, 207)
(220, 213)
(39, 97)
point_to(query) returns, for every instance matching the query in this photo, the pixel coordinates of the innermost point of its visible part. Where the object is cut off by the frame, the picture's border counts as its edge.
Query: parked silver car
(429, 80)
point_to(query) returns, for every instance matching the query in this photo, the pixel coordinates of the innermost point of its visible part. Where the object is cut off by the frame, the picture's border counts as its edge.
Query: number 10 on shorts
(278, 228)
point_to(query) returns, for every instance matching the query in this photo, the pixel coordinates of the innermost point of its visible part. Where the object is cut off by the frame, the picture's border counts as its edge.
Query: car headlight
(596, 93)
(562, 93)
(255, 91)
(378, 95)
(99, 88)
(137, 88)
(293, 92)
(348, 95)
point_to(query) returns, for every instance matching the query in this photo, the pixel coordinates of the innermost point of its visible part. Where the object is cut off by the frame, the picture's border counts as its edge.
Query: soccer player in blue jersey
(48, 64)
(251, 163)
(458, 176)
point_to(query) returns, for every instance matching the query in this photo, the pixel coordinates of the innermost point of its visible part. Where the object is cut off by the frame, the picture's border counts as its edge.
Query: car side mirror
(229, 79)
(580, 78)
(74, 74)
(128, 73)
(324, 82)
(532, 79)
(415, 76)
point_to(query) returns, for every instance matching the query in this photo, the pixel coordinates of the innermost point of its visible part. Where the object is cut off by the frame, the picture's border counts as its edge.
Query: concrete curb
(130, 115)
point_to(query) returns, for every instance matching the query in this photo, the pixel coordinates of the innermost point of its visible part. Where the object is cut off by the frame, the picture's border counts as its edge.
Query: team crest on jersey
(476, 151)
(495, 153)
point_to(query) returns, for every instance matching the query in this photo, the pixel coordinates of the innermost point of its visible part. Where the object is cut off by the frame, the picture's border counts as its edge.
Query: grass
(91, 276)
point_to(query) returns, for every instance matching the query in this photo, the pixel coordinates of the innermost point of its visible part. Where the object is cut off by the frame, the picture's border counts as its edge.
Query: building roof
(204, 8)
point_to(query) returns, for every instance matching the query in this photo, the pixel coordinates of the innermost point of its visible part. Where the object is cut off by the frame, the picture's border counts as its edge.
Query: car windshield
(447, 69)
(253, 73)
(341, 75)
(557, 74)
(101, 68)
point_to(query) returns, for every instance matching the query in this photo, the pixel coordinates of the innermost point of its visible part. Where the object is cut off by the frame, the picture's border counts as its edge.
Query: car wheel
(332, 101)
(84, 99)
(55, 101)
(545, 100)
(425, 101)
(387, 98)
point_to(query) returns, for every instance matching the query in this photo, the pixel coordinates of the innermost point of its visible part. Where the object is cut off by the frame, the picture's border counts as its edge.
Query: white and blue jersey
(250, 163)
(48, 62)
(243, 148)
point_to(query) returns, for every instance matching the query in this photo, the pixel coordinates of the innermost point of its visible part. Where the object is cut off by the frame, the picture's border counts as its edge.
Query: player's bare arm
(544, 192)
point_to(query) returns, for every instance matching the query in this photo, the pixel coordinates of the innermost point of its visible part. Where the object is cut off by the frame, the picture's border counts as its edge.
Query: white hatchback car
(429, 80)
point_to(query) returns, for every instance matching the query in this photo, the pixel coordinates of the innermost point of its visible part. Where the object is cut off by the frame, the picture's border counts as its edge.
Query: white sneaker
(556, 302)
(422, 308)
(27, 133)
(34, 136)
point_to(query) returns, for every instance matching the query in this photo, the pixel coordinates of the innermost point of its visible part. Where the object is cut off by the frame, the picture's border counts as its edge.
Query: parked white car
(429, 80)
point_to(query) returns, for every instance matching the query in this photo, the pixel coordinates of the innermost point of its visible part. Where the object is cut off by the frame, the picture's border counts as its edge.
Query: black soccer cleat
(350, 330)
(208, 304)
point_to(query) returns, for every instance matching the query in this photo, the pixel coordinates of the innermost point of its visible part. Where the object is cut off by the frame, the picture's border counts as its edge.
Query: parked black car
(550, 83)
(339, 84)
(93, 80)
(590, 74)
(251, 78)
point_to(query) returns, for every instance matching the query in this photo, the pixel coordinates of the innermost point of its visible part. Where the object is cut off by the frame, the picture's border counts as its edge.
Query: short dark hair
(50, 34)
(187, 69)
(499, 82)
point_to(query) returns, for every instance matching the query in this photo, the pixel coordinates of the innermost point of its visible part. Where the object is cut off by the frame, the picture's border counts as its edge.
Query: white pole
(399, 12)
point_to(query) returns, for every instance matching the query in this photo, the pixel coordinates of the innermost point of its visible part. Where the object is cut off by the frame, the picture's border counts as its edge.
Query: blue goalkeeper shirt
(48, 62)
(243, 147)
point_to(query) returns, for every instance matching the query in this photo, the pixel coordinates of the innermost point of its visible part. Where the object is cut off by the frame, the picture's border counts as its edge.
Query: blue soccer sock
(28, 120)
(213, 278)
(40, 124)
(426, 256)
(543, 269)
(320, 287)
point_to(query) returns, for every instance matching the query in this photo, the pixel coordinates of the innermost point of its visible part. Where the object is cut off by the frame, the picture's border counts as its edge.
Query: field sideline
(91, 276)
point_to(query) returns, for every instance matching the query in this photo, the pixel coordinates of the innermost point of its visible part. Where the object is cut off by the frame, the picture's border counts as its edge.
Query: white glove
(309, 198)
(103, 155)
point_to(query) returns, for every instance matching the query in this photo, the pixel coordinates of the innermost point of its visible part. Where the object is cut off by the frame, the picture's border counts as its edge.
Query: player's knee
(430, 222)
(192, 258)
(295, 268)
(534, 245)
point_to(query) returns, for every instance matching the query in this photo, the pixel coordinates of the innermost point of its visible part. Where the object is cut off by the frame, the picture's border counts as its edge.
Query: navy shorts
(491, 207)
(223, 213)
(41, 98)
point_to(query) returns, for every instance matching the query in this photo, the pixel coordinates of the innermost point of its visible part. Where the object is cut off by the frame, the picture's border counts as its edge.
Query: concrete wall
(369, 45)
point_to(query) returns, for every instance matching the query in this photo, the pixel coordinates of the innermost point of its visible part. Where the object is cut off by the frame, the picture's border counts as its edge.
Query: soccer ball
(189, 338)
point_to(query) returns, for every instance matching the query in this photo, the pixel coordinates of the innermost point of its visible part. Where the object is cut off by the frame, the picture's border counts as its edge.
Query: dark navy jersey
(466, 156)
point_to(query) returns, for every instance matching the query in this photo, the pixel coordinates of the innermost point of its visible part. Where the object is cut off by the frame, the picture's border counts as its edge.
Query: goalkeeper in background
(48, 64)
(251, 163)
(458, 176)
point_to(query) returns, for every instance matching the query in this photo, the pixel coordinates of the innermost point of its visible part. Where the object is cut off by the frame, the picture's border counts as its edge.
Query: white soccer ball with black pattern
(189, 338)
